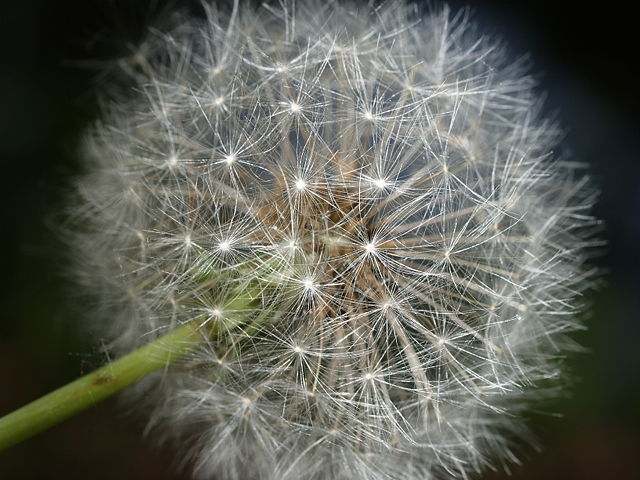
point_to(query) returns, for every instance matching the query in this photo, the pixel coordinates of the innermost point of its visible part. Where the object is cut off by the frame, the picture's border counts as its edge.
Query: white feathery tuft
(385, 183)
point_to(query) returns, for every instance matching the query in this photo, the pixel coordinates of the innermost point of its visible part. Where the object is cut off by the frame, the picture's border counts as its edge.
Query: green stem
(80, 394)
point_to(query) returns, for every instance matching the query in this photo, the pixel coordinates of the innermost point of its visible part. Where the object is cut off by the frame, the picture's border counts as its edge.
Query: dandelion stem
(86, 391)
(90, 389)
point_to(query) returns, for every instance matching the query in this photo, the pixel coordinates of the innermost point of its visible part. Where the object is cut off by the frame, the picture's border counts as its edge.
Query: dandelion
(359, 215)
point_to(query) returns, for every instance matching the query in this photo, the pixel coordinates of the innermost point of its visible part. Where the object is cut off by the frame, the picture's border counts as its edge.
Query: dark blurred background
(586, 60)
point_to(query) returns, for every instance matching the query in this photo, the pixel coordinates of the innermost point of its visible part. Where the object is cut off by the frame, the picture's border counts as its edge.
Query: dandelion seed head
(309, 284)
(294, 107)
(381, 192)
(301, 184)
(387, 305)
(380, 183)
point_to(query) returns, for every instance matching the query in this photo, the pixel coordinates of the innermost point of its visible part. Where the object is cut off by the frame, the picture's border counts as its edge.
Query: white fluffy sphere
(367, 201)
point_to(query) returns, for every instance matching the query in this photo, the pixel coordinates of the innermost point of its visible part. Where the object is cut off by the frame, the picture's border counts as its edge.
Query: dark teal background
(586, 60)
